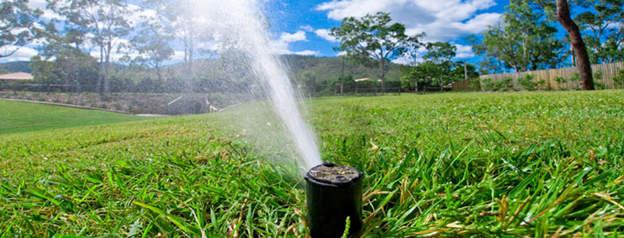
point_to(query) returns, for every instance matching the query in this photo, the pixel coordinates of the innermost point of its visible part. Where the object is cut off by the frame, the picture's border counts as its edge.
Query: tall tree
(375, 37)
(601, 23)
(438, 68)
(561, 11)
(103, 23)
(179, 15)
(152, 43)
(576, 39)
(16, 26)
(525, 40)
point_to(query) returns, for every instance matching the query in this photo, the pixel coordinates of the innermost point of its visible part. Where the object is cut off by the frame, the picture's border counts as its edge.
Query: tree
(179, 16)
(16, 26)
(525, 40)
(601, 25)
(560, 10)
(440, 52)
(438, 69)
(152, 44)
(70, 67)
(576, 39)
(375, 37)
(102, 23)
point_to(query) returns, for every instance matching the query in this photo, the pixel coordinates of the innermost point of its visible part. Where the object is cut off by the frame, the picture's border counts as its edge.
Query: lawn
(474, 164)
(22, 117)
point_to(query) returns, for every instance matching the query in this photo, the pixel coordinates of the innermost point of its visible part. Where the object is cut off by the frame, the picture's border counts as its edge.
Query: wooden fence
(561, 79)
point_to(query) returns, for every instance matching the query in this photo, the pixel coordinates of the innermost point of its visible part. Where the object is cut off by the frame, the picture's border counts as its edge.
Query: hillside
(329, 68)
(449, 165)
(323, 68)
(18, 66)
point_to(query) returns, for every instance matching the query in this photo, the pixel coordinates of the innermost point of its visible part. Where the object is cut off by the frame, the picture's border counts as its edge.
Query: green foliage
(504, 84)
(375, 37)
(70, 67)
(487, 84)
(440, 52)
(17, 66)
(575, 77)
(526, 40)
(478, 165)
(14, 15)
(603, 29)
(438, 69)
(598, 80)
(527, 82)
(619, 79)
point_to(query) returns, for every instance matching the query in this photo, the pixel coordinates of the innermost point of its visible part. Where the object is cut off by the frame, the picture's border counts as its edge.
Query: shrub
(619, 79)
(576, 78)
(487, 84)
(527, 82)
(504, 84)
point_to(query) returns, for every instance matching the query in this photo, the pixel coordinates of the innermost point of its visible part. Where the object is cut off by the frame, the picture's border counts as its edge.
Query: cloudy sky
(302, 26)
(305, 24)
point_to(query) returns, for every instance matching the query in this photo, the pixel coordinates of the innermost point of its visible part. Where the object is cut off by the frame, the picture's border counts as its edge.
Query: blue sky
(442, 20)
(302, 26)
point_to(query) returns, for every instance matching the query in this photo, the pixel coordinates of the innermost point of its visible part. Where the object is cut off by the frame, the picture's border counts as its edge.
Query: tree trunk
(100, 73)
(382, 65)
(576, 39)
(106, 80)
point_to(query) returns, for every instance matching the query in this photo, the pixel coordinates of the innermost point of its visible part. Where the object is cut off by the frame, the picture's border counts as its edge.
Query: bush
(527, 82)
(576, 78)
(487, 84)
(504, 84)
(619, 79)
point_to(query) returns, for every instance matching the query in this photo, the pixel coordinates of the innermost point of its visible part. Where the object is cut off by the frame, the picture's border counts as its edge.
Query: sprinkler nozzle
(334, 199)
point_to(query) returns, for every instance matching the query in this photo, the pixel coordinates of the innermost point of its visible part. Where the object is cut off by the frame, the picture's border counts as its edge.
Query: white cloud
(22, 54)
(464, 51)
(37, 4)
(282, 45)
(293, 37)
(307, 28)
(307, 52)
(442, 20)
(325, 34)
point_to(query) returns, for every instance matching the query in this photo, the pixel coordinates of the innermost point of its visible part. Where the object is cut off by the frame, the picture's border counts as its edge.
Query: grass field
(22, 117)
(480, 165)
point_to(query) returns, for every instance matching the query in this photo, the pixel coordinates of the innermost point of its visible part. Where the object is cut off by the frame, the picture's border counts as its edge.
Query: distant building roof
(366, 79)
(16, 76)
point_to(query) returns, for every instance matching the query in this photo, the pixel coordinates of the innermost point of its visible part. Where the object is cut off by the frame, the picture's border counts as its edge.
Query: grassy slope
(22, 117)
(459, 164)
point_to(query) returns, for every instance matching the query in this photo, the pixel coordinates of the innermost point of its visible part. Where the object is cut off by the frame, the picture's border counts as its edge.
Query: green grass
(480, 165)
(23, 117)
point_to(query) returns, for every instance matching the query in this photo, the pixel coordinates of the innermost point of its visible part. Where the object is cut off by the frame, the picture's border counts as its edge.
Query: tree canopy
(375, 37)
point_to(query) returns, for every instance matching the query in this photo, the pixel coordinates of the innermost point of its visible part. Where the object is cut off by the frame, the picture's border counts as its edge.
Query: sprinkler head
(333, 196)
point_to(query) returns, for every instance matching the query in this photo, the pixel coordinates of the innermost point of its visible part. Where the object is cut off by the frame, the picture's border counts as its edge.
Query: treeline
(529, 37)
(112, 45)
(108, 45)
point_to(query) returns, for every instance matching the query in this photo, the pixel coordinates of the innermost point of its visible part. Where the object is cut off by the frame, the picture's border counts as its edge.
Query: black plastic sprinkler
(334, 199)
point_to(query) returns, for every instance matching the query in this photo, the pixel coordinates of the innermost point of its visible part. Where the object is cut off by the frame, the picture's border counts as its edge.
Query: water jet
(334, 199)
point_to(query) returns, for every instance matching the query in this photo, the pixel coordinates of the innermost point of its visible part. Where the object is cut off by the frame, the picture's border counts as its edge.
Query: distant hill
(17, 66)
(330, 68)
(323, 68)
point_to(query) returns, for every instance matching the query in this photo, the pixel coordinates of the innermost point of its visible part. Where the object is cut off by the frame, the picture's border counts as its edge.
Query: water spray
(334, 193)
(334, 200)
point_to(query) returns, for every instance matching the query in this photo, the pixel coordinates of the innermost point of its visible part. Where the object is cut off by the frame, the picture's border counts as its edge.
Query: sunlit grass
(23, 117)
(516, 164)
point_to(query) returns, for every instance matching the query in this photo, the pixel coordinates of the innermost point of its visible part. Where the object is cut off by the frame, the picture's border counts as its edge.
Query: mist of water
(240, 24)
